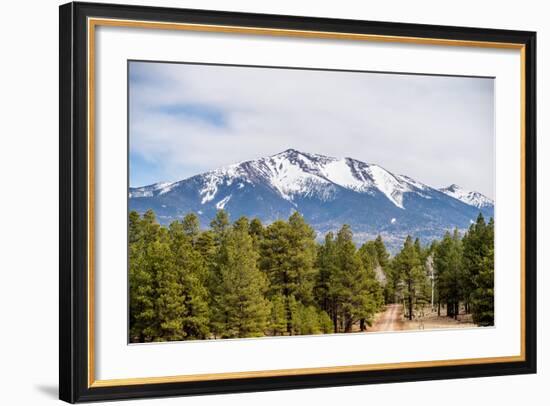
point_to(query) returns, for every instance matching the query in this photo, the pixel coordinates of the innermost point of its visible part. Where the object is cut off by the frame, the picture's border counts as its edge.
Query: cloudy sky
(188, 119)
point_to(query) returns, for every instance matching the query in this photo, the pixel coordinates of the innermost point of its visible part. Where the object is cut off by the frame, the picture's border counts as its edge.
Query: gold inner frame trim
(94, 22)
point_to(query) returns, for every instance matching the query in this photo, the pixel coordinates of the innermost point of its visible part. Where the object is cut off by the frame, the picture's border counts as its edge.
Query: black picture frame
(74, 384)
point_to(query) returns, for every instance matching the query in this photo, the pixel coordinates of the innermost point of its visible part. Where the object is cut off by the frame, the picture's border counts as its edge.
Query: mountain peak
(452, 188)
(289, 152)
(327, 191)
(294, 174)
(294, 154)
(470, 197)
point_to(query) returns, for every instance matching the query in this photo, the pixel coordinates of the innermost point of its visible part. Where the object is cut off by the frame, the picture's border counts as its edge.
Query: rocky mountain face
(327, 191)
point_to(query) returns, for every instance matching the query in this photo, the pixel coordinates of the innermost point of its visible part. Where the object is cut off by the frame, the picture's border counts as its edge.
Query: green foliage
(169, 301)
(464, 272)
(191, 276)
(214, 244)
(220, 225)
(166, 277)
(451, 278)
(375, 260)
(191, 227)
(244, 279)
(351, 285)
(325, 323)
(327, 271)
(256, 231)
(242, 306)
(382, 254)
(142, 278)
(411, 272)
(479, 263)
(206, 246)
(305, 320)
(385, 274)
(369, 255)
(277, 323)
(287, 256)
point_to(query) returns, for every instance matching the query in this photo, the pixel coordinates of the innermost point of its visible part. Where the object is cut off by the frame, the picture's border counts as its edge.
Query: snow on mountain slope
(340, 172)
(151, 190)
(221, 204)
(472, 198)
(293, 173)
(389, 184)
(290, 173)
(327, 191)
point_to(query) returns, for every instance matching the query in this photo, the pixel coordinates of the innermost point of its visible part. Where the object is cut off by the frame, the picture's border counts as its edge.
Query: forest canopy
(248, 279)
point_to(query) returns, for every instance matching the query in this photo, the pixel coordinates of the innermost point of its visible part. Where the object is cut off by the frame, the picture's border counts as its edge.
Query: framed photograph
(257, 202)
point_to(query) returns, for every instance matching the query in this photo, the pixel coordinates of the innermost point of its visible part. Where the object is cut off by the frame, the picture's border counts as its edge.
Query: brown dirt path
(390, 320)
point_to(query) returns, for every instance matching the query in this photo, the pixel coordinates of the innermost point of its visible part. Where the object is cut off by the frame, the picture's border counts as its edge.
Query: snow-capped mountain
(327, 191)
(468, 196)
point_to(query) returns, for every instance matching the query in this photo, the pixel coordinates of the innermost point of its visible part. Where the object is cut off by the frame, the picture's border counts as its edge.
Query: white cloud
(438, 130)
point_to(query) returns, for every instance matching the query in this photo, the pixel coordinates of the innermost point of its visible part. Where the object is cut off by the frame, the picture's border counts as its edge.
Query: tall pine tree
(450, 277)
(244, 310)
(288, 255)
(479, 263)
(351, 286)
(407, 264)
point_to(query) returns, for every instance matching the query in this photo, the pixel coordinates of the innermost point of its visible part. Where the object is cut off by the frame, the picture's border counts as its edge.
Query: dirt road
(390, 320)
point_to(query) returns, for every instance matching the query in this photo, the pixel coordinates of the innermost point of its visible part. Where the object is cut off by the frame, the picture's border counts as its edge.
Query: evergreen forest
(247, 279)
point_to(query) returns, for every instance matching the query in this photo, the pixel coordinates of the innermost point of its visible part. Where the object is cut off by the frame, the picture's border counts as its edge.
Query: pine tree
(327, 270)
(140, 279)
(325, 323)
(375, 277)
(206, 246)
(242, 305)
(191, 227)
(134, 227)
(382, 254)
(274, 258)
(303, 253)
(411, 273)
(305, 319)
(369, 255)
(192, 276)
(288, 255)
(212, 245)
(242, 224)
(220, 225)
(146, 261)
(277, 323)
(424, 288)
(351, 286)
(169, 302)
(256, 231)
(384, 262)
(450, 277)
(150, 228)
(432, 276)
(482, 296)
(418, 248)
(477, 251)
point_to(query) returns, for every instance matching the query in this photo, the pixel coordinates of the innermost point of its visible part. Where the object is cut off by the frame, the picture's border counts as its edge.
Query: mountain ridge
(328, 191)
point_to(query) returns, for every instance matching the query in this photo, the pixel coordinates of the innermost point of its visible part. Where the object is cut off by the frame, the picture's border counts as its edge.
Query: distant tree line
(247, 279)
